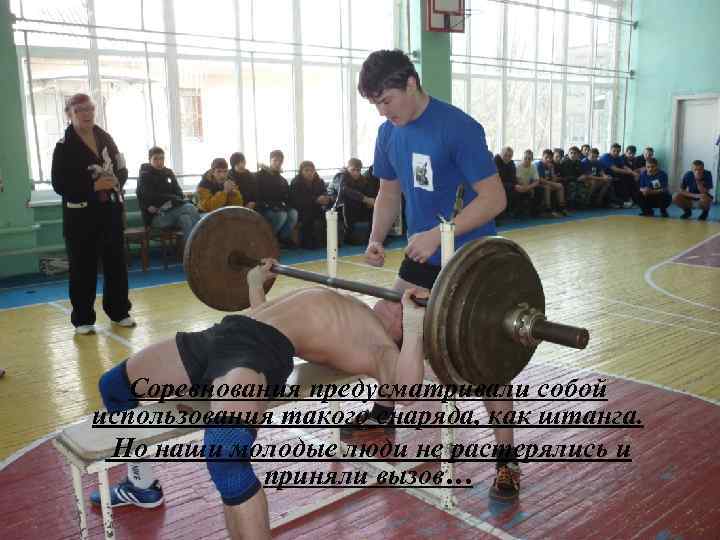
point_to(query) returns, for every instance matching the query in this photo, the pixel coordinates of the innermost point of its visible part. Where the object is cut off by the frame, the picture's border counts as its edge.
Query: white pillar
(447, 249)
(331, 217)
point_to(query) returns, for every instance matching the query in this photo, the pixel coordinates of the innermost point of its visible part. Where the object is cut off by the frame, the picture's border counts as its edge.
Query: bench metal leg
(448, 440)
(105, 503)
(79, 500)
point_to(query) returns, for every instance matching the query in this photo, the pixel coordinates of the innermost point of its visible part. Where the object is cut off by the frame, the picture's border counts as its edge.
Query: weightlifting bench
(85, 449)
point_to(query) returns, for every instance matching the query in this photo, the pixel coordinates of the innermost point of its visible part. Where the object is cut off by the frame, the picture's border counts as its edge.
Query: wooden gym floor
(648, 290)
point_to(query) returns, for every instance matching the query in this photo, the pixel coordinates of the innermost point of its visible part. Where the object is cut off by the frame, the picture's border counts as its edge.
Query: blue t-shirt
(432, 156)
(593, 168)
(656, 181)
(608, 161)
(689, 184)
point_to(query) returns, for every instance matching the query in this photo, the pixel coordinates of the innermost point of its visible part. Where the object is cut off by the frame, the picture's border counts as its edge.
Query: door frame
(676, 127)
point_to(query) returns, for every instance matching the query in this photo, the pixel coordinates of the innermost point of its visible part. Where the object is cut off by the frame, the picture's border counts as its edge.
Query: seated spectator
(557, 159)
(526, 192)
(585, 151)
(308, 195)
(624, 183)
(641, 160)
(356, 193)
(243, 179)
(506, 169)
(274, 198)
(654, 190)
(578, 185)
(160, 197)
(631, 159)
(215, 190)
(549, 182)
(600, 184)
(695, 191)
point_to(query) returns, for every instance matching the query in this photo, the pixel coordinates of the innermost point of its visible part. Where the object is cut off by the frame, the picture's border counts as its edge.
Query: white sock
(141, 474)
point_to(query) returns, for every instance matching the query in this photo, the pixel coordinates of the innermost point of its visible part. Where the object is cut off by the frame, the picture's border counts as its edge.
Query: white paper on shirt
(422, 172)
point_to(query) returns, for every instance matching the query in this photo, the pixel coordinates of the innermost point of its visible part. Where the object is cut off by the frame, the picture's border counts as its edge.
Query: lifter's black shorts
(419, 274)
(238, 341)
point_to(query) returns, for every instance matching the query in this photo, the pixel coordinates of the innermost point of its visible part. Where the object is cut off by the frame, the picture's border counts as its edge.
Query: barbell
(483, 320)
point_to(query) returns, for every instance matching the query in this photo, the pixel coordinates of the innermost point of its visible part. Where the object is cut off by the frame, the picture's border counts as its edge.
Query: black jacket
(74, 170)
(506, 171)
(273, 190)
(155, 187)
(303, 195)
(246, 183)
(350, 189)
(571, 168)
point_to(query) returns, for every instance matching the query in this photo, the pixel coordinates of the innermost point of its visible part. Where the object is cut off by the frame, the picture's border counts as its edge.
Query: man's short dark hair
(651, 161)
(631, 148)
(547, 152)
(219, 163)
(698, 163)
(650, 148)
(278, 154)
(354, 162)
(574, 148)
(595, 151)
(615, 145)
(386, 69)
(236, 158)
(586, 145)
(154, 151)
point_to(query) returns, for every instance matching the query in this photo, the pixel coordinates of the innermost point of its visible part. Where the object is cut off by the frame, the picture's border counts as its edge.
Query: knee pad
(115, 390)
(235, 480)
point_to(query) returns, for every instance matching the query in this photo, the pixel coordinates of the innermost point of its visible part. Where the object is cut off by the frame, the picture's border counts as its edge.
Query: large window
(205, 79)
(543, 73)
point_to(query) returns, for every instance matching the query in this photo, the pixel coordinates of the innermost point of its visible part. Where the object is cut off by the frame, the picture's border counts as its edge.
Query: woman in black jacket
(308, 195)
(89, 172)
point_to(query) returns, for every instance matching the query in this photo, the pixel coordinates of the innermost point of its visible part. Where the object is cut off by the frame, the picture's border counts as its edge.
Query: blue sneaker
(125, 493)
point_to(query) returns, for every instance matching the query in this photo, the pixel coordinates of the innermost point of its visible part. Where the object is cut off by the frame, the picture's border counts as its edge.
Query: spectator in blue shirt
(654, 189)
(624, 178)
(599, 181)
(695, 191)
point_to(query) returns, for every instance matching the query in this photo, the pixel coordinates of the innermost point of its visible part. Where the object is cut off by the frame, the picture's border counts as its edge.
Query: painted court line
(572, 367)
(694, 265)
(629, 304)
(652, 321)
(649, 272)
(29, 448)
(466, 517)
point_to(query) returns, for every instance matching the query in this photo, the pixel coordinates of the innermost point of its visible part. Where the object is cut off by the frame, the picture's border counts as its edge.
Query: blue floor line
(31, 289)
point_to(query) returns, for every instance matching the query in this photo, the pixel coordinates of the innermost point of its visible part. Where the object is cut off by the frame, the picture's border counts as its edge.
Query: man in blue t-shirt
(695, 191)
(424, 150)
(654, 189)
(600, 182)
(625, 180)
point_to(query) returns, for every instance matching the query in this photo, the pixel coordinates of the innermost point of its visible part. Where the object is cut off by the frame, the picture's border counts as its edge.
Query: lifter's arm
(256, 278)
(410, 362)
